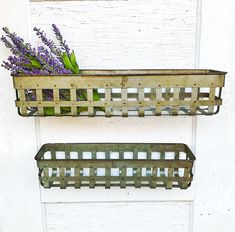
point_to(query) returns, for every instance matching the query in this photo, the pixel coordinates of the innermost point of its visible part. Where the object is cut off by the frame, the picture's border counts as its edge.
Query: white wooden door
(124, 34)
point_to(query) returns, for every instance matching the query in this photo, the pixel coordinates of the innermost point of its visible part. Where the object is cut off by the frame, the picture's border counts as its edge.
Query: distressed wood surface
(124, 34)
(178, 18)
(119, 216)
(219, 131)
(19, 193)
(120, 35)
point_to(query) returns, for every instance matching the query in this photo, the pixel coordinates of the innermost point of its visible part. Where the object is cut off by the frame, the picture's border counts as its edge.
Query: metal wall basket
(121, 93)
(150, 165)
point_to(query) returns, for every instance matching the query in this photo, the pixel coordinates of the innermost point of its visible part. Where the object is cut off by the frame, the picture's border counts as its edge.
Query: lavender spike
(59, 37)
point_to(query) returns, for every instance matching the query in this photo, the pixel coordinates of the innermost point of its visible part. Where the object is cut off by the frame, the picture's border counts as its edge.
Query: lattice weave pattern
(121, 93)
(150, 165)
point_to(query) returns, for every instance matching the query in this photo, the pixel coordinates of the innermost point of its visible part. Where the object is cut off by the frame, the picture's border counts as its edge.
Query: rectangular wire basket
(110, 164)
(121, 93)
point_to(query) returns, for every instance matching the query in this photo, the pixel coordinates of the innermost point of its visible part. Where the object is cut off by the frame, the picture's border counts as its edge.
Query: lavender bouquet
(48, 59)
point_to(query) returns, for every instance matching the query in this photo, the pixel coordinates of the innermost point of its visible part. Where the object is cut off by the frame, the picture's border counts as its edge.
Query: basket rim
(44, 149)
(134, 72)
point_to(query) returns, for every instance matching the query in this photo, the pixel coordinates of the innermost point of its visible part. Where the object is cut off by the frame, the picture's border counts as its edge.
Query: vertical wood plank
(141, 99)
(194, 98)
(211, 98)
(121, 154)
(148, 170)
(167, 98)
(168, 94)
(93, 154)
(91, 179)
(153, 94)
(123, 177)
(21, 93)
(153, 182)
(175, 109)
(169, 178)
(107, 154)
(159, 98)
(53, 154)
(46, 182)
(153, 98)
(135, 157)
(56, 99)
(124, 99)
(62, 178)
(176, 170)
(107, 170)
(162, 170)
(135, 154)
(67, 157)
(94, 157)
(137, 177)
(77, 177)
(186, 177)
(107, 101)
(80, 157)
(73, 97)
(53, 157)
(107, 177)
(182, 94)
(90, 100)
(39, 98)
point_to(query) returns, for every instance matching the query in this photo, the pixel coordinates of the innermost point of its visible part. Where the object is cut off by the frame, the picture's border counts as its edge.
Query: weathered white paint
(120, 34)
(20, 209)
(215, 183)
(115, 195)
(124, 216)
(167, 38)
(124, 34)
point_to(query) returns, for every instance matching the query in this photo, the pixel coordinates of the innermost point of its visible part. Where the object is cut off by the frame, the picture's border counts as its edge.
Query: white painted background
(124, 34)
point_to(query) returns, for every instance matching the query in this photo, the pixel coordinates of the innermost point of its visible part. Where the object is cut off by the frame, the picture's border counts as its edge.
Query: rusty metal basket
(115, 164)
(121, 93)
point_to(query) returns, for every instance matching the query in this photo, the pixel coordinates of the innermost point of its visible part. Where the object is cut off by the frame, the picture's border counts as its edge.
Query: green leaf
(49, 111)
(67, 63)
(99, 109)
(65, 110)
(74, 62)
(82, 109)
(96, 96)
(36, 63)
(27, 65)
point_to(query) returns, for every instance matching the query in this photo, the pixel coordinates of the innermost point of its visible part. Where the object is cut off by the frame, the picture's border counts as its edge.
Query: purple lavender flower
(40, 61)
(19, 47)
(12, 47)
(50, 63)
(42, 35)
(6, 42)
(62, 42)
(31, 61)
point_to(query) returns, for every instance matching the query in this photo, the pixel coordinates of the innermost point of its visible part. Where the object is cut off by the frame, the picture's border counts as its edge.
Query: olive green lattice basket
(121, 93)
(150, 165)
